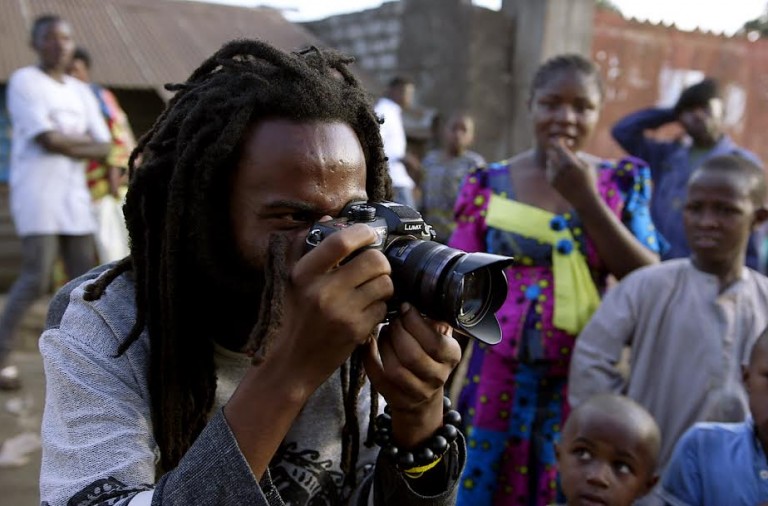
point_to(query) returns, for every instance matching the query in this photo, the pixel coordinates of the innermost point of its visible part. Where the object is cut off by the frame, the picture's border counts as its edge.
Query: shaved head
(623, 411)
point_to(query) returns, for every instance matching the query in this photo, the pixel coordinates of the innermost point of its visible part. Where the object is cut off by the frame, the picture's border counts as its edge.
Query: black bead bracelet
(431, 450)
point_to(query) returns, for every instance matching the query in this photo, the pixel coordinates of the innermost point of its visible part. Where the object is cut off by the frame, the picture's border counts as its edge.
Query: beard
(245, 301)
(231, 294)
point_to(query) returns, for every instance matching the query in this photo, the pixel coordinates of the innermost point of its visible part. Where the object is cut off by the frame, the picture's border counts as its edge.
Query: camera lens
(474, 299)
(446, 284)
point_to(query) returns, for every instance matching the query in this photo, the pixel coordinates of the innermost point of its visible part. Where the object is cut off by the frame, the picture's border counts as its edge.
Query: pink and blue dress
(514, 399)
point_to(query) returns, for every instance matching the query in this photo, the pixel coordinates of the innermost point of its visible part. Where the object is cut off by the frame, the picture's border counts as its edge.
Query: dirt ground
(20, 416)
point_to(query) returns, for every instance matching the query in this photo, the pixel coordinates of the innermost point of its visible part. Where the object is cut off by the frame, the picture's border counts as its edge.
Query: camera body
(446, 284)
(389, 220)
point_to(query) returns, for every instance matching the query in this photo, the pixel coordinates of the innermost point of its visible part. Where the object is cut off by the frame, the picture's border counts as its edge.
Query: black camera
(446, 284)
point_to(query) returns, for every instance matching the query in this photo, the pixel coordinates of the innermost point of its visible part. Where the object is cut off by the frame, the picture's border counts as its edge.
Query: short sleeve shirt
(49, 194)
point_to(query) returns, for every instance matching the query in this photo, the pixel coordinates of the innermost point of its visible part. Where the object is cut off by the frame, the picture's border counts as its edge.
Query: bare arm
(74, 146)
(615, 244)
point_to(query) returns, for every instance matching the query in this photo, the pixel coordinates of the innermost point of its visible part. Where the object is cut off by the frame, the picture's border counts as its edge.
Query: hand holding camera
(445, 284)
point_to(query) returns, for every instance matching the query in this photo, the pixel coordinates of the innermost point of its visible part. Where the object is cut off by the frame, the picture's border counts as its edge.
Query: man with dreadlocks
(152, 397)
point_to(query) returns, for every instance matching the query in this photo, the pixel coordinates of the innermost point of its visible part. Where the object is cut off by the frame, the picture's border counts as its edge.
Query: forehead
(279, 156)
(724, 185)
(615, 432)
(46, 29)
(713, 104)
(461, 121)
(569, 82)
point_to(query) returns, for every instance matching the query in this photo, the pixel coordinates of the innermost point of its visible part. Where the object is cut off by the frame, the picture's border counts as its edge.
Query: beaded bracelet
(416, 462)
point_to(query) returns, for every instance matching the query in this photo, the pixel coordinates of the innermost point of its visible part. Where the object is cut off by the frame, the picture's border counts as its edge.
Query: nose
(598, 475)
(708, 218)
(566, 114)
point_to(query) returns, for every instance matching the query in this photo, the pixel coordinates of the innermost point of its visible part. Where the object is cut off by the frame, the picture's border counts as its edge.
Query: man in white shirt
(56, 126)
(399, 96)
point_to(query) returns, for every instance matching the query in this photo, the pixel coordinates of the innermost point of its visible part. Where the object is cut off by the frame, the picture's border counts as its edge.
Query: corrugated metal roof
(143, 43)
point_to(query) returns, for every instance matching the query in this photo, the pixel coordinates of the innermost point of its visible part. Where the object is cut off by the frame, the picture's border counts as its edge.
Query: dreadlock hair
(177, 207)
(565, 62)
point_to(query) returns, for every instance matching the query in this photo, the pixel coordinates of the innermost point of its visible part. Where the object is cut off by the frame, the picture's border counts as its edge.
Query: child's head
(459, 133)
(608, 452)
(725, 202)
(565, 99)
(756, 384)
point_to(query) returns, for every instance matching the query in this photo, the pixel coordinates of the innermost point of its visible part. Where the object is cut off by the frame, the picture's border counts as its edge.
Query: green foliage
(608, 5)
(758, 25)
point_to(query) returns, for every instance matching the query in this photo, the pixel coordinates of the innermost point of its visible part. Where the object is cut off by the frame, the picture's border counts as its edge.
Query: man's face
(718, 217)
(704, 123)
(404, 95)
(54, 45)
(289, 175)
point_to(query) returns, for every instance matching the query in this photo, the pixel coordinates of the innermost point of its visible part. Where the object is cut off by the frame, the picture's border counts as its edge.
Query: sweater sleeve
(98, 447)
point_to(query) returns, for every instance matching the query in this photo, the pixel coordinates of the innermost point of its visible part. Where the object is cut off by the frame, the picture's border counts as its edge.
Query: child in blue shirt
(608, 452)
(725, 463)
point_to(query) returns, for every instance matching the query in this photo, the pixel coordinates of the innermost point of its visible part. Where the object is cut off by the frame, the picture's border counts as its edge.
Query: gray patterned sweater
(98, 447)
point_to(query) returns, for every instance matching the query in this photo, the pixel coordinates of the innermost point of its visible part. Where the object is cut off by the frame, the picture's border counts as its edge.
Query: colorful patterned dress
(514, 399)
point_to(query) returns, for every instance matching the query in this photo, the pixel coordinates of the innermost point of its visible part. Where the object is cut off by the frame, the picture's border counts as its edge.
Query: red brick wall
(632, 56)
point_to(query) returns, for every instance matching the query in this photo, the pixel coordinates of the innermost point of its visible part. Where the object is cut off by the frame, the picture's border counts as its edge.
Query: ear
(557, 452)
(652, 481)
(760, 215)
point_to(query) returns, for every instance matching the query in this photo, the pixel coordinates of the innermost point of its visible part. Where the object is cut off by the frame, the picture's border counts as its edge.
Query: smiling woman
(569, 219)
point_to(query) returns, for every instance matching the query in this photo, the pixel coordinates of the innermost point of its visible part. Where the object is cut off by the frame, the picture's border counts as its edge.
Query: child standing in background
(444, 170)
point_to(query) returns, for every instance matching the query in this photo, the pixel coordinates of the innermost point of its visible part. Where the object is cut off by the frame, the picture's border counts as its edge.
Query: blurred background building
(461, 57)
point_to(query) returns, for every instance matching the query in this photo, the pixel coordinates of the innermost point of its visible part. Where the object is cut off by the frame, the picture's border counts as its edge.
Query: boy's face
(719, 216)
(756, 384)
(604, 460)
(289, 175)
(459, 134)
